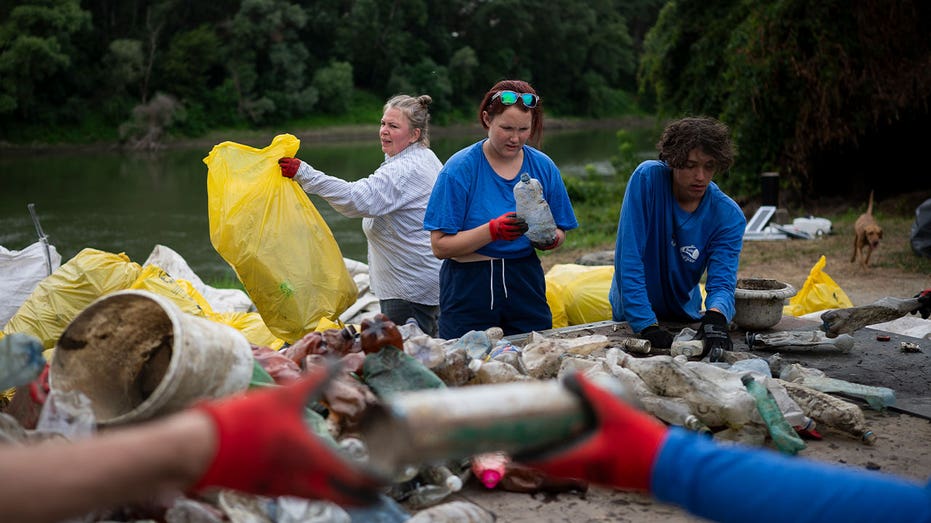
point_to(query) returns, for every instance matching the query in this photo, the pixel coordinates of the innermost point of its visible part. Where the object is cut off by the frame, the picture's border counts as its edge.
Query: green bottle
(784, 436)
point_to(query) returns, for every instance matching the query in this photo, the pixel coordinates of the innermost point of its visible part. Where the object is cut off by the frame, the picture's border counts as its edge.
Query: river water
(130, 202)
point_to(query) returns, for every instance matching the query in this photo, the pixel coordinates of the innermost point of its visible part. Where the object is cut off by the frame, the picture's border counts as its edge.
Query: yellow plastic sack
(584, 291)
(250, 324)
(60, 297)
(554, 298)
(154, 279)
(267, 229)
(819, 292)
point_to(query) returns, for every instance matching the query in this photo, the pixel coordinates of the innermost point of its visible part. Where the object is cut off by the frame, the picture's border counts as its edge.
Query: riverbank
(326, 134)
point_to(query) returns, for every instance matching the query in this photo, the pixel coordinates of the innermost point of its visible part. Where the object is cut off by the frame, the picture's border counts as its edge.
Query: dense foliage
(833, 94)
(92, 65)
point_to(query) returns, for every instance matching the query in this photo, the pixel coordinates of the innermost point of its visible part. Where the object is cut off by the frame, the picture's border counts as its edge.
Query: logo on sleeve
(689, 253)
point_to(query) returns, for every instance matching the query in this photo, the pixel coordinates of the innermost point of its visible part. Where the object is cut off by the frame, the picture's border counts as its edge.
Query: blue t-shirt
(662, 251)
(469, 193)
(735, 483)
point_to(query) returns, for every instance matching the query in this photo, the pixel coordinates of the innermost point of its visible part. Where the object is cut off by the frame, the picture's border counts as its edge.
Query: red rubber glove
(265, 448)
(546, 246)
(289, 166)
(619, 452)
(508, 227)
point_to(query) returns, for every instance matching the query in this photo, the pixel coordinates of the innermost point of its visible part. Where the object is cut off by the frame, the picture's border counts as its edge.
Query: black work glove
(657, 336)
(713, 333)
(924, 297)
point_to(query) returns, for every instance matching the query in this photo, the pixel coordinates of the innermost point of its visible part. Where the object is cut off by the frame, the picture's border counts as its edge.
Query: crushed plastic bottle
(799, 341)
(784, 436)
(21, 360)
(456, 369)
(878, 398)
(532, 207)
(476, 344)
(714, 404)
(685, 344)
(830, 411)
(419, 345)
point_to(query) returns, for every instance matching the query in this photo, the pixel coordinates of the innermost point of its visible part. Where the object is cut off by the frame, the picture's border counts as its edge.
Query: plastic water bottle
(783, 434)
(830, 411)
(21, 360)
(476, 344)
(532, 207)
(442, 476)
(419, 345)
(878, 398)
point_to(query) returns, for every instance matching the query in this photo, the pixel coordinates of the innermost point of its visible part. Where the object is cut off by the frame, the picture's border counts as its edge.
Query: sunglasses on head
(510, 98)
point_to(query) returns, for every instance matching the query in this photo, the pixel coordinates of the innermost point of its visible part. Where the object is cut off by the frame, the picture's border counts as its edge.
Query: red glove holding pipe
(619, 452)
(264, 447)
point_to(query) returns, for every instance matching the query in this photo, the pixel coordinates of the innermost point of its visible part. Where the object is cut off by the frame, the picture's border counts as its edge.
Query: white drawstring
(491, 281)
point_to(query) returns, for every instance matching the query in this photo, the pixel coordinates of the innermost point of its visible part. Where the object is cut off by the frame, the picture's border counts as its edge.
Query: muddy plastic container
(136, 356)
(758, 302)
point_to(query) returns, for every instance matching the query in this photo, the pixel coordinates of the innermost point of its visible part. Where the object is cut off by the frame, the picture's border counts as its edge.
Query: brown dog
(867, 234)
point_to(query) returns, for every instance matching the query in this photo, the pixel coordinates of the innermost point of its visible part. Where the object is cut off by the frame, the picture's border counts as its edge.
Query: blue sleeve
(724, 256)
(632, 303)
(739, 484)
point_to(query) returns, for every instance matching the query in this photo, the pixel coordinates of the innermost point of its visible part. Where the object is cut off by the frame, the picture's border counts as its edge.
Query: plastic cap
(490, 478)
(453, 483)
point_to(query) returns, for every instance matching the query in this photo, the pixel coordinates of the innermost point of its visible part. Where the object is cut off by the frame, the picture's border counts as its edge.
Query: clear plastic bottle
(476, 344)
(878, 398)
(783, 434)
(799, 341)
(419, 345)
(714, 404)
(21, 360)
(532, 207)
(441, 475)
(456, 369)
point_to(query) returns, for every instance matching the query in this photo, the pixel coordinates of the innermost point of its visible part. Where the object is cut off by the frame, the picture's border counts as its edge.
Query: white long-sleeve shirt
(391, 202)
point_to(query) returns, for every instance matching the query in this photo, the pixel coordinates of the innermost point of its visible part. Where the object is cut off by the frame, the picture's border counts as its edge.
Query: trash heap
(404, 400)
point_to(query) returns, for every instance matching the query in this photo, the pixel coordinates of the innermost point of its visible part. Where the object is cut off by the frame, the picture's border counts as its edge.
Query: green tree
(796, 81)
(36, 48)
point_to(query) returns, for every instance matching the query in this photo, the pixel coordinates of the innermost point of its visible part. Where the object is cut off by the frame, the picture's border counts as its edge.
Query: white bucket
(136, 355)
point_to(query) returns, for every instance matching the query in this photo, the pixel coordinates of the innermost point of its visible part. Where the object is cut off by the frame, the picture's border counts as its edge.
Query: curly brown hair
(699, 132)
(495, 107)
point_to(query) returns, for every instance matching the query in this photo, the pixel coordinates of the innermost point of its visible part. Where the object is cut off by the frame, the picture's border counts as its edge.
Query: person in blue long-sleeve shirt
(676, 225)
(631, 450)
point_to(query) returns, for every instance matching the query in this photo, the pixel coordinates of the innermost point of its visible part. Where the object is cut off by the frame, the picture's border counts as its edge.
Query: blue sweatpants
(510, 294)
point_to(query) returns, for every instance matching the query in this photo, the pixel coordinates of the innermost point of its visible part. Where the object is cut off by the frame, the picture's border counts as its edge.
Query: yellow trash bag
(584, 290)
(153, 278)
(819, 292)
(60, 297)
(250, 324)
(554, 298)
(267, 229)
